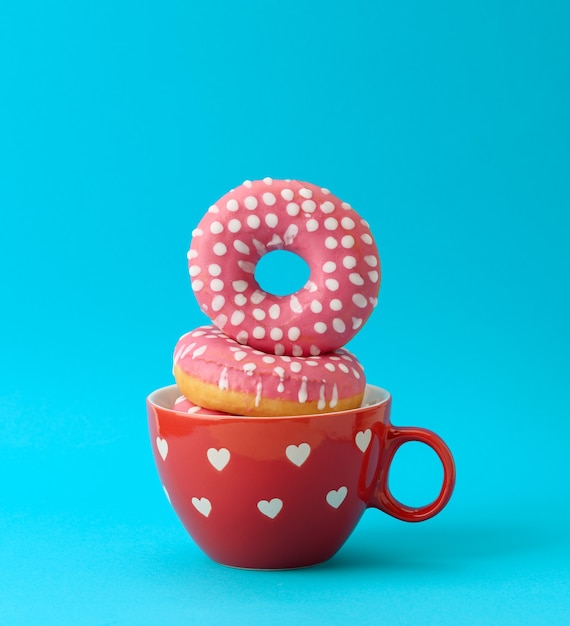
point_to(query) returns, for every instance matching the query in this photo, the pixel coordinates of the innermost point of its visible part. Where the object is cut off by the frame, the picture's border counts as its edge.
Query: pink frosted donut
(184, 405)
(214, 371)
(259, 217)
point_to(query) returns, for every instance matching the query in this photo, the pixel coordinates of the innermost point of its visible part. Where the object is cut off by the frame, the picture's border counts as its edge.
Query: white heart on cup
(335, 497)
(270, 508)
(219, 458)
(202, 505)
(363, 438)
(162, 446)
(298, 454)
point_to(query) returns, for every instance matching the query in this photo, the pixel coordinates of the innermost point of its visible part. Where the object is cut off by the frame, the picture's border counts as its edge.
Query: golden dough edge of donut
(210, 396)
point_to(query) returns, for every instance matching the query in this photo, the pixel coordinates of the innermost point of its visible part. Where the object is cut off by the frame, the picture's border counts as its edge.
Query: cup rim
(384, 396)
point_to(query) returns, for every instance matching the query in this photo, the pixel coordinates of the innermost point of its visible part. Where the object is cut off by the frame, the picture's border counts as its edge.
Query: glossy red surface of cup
(282, 492)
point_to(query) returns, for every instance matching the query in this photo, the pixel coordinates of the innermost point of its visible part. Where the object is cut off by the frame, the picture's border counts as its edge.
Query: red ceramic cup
(282, 492)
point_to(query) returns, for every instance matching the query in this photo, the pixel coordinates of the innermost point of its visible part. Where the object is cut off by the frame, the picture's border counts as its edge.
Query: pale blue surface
(444, 124)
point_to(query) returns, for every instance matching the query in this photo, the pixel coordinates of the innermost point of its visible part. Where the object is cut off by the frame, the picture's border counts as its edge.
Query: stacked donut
(264, 354)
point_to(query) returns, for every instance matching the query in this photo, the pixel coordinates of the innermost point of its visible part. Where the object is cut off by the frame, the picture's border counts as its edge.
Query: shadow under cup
(282, 492)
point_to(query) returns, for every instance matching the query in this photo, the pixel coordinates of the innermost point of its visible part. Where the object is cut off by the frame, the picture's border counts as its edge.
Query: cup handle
(383, 498)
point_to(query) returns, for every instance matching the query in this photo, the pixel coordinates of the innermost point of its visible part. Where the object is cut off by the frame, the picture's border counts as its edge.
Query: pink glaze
(184, 405)
(261, 216)
(208, 354)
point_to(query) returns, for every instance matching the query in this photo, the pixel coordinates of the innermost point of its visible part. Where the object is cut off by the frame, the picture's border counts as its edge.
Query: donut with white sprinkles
(219, 374)
(305, 219)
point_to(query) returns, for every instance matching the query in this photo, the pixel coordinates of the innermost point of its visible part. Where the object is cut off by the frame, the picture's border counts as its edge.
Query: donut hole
(281, 272)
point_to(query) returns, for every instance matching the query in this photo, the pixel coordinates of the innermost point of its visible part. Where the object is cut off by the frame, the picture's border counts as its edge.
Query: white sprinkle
(293, 333)
(305, 193)
(329, 267)
(274, 312)
(346, 206)
(373, 301)
(248, 368)
(213, 209)
(308, 206)
(297, 351)
(371, 260)
(232, 205)
(312, 225)
(214, 269)
(234, 226)
(314, 350)
(268, 359)
(295, 305)
(360, 300)
(218, 302)
(269, 199)
(259, 332)
(290, 234)
(293, 209)
(339, 325)
(334, 399)
(355, 278)
(347, 223)
(247, 183)
(240, 246)
(343, 368)
(191, 254)
(356, 373)
(240, 299)
(356, 323)
(199, 351)
(268, 181)
(311, 363)
(221, 320)
(325, 191)
(349, 262)
(320, 327)
(247, 266)
(347, 241)
(331, 223)
(216, 284)
(239, 285)
(257, 297)
(242, 337)
(316, 306)
(279, 350)
(281, 373)
(271, 220)
(321, 404)
(374, 276)
(331, 243)
(367, 238)
(260, 247)
(220, 249)
(332, 284)
(197, 285)
(216, 228)
(258, 390)
(310, 286)
(335, 304)
(259, 314)
(296, 367)
(237, 318)
(195, 270)
(250, 203)
(223, 382)
(327, 207)
(302, 395)
(330, 367)
(276, 334)
(197, 232)
(253, 221)
(287, 194)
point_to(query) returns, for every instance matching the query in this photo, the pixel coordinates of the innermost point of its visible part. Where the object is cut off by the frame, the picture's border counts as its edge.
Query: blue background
(445, 124)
